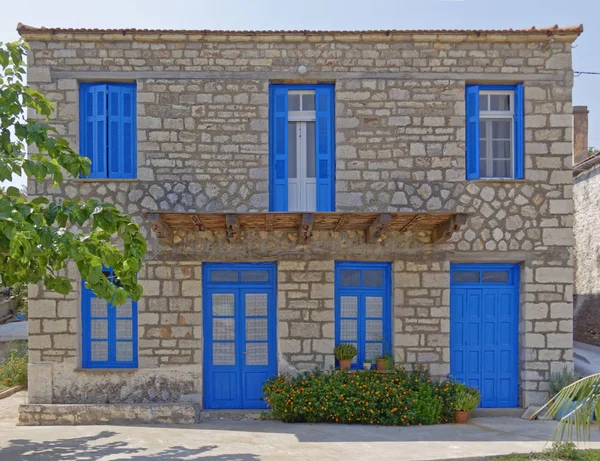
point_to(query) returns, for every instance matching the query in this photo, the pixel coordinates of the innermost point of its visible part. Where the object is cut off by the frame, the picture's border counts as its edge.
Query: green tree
(39, 237)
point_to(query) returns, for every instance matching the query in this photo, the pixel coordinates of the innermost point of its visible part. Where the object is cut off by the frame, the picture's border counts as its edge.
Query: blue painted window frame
(385, 292)
(472, 155)
(513, 270)
(208, 288)
(115, 161)
(86, 332)
(278, 130)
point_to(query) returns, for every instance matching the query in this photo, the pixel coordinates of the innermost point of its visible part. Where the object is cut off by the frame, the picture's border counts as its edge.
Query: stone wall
(202, 105)
(586, 195)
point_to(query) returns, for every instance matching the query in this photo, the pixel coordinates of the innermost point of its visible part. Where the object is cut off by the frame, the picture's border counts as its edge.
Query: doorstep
(83, 414)
(495, 412)
(231, 415)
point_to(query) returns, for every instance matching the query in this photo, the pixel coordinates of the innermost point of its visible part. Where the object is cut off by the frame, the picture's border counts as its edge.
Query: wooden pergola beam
(442, 232)
(197, 222)
(160, 227)
(233, 228)
(377, 227)
(305, 229)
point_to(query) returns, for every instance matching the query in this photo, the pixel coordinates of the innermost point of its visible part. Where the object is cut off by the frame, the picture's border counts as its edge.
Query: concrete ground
(269, 440)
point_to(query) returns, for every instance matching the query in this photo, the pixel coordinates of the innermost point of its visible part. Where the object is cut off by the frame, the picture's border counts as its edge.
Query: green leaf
(13, 191)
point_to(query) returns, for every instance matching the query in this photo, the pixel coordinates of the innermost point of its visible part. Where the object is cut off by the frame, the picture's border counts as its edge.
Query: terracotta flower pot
(345, 364)
(380, 364)
(461, 417)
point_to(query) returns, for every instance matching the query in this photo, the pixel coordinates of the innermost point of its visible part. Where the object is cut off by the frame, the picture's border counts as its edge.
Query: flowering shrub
(398, 397)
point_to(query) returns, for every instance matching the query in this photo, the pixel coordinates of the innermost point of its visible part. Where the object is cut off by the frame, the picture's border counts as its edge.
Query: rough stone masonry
(202, 130)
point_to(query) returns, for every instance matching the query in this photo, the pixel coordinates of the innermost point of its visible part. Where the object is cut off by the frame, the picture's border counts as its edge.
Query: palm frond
(576, 405)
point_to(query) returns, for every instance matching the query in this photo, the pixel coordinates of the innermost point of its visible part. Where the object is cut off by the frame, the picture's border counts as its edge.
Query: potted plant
(382, 362)
(345, 352)
(367, 364)
(465, 401)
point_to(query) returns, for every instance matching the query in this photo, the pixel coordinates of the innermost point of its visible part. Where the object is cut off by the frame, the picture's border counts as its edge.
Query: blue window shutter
(278, 184)
(472, 147)
(92, 136)
(519, 117)
(122, 150)
(325, 148)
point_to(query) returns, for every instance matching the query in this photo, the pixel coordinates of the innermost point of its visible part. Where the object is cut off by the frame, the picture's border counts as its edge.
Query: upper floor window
(107, 133)
(109, 334)
(301, 145)
(495, 131)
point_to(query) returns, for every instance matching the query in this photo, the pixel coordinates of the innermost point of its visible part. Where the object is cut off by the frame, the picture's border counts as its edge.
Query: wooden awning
(441, 225)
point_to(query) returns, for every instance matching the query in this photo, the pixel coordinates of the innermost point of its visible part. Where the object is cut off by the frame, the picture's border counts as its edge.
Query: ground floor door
(484, 317)
(240, 338)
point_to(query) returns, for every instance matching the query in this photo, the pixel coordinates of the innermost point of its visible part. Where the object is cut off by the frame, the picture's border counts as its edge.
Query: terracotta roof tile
(23, 28)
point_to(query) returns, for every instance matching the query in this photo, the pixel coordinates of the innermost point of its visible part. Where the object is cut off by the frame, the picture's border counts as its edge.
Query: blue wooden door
(239, 332)
(484, 317)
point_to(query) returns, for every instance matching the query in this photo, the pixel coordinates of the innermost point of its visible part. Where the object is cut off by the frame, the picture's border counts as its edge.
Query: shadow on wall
(586, 319)
(95, 448)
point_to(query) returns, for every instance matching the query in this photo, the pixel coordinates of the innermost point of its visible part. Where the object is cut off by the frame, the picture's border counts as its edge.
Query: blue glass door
(239, 332)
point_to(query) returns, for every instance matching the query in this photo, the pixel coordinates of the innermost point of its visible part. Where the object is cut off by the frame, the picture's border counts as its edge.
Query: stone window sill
(501, 181)
(105, 370)
(104, 180)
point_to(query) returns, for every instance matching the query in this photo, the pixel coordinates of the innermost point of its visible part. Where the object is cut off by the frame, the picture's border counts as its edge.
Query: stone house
(586, 198)
(409, 192)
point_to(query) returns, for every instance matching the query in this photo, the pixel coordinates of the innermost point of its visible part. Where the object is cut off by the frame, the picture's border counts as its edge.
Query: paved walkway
(268, 440)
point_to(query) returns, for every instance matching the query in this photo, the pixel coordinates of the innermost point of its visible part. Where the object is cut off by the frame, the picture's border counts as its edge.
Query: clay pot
(345, 364)
(380, 364)
(461, 417)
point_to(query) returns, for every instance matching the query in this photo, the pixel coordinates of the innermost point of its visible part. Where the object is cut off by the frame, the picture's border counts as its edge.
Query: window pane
(223, 329)
(256, 304)
(99, 307)
(223, 353)
(124, 351)
(483, 167)
(374, 330)
(99, 329)
(124, 329)
(373, 350)
(293, 102)
(465, 276)
(99, 351)
(495, 277)
(311, 144)
(256, 329)
(348, 330)
(255, 276)
(350, 277)
(372, 278)
(348, 306)
(374, 306)
(500, 102)
(483, 102)
(223, 304)
(292, 150)
(501, 150)
(482, 130)
(501, 129)
(257, 354)
(502, 169)
(308, 101)
(223, 276)
(124, 310)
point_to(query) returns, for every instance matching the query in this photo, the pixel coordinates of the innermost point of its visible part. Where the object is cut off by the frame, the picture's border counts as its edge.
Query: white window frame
(306, 188)
(485, 117)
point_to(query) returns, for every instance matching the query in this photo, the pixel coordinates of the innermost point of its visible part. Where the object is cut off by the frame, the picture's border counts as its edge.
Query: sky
(330, 15)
